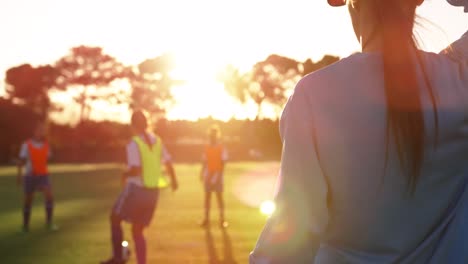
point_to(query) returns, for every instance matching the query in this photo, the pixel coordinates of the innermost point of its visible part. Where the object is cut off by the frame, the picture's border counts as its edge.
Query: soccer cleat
(52, 227)
(25, 230)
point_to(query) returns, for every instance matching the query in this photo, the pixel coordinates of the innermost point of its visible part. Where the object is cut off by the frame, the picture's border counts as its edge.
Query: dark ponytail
(140, 123)
(405, 113)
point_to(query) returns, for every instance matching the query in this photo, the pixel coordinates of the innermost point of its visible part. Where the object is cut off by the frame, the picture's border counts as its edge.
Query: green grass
(84, 195)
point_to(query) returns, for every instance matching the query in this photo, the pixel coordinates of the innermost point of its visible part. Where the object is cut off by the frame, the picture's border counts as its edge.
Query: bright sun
(204, 35)
(202, 95)
(202, 98)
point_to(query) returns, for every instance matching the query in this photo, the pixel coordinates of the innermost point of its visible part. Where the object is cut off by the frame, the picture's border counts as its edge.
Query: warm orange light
(202, 95)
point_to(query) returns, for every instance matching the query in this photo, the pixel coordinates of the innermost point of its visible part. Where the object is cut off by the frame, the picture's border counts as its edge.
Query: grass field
(84, 195)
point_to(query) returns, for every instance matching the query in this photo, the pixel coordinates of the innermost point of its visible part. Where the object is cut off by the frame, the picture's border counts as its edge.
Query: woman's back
(366, 203)
(373, 151)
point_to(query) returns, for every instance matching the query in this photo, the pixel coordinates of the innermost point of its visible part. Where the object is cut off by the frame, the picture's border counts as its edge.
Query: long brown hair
(401, 60)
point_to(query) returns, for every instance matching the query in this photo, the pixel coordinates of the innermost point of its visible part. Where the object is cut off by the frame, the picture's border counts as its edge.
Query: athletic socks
(207, 206)
(117, 237)
(49, 208)
(140, 248)
(221, 212)
(26, 217)
(49, 212)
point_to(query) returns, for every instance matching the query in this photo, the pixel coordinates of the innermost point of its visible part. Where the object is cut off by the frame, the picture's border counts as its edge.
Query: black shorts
(136, 204)
(35, 183)
(213, 181)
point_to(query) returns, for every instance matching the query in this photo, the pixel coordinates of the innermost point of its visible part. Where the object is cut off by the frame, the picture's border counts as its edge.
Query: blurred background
(85, 64)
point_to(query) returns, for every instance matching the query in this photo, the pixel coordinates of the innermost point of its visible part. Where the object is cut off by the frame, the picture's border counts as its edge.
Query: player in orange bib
(34, 156)
(212, 175)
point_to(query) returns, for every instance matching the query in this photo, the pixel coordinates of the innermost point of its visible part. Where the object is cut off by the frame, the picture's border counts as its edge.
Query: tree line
(87, 73)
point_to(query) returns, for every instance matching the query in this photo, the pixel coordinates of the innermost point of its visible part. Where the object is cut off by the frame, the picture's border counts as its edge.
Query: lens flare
(124, 244)
(268, 208)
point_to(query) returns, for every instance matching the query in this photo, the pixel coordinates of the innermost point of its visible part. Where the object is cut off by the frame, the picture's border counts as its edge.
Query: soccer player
(143, 179)
(34, 156)
(214, 159)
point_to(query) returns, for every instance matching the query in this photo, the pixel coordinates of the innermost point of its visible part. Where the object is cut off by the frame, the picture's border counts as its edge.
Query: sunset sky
(204, 35)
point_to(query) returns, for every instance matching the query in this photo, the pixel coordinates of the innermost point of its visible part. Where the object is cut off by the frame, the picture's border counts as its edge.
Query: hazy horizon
(204, 35)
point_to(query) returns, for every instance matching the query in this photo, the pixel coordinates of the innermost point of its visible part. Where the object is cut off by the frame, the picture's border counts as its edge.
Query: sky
(204, 36)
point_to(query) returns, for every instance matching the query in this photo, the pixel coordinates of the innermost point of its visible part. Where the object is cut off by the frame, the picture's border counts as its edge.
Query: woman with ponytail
(374, 151)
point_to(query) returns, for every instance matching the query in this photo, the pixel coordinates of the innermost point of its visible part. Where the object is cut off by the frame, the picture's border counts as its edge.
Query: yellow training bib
(151, 163)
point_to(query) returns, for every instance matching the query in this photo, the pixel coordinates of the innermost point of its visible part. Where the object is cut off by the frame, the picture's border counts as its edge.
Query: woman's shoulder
(340, 73)
(458, 50)
(455, 53)
(152, 137)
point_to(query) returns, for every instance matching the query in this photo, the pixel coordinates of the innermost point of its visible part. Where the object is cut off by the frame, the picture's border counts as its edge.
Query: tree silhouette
(29, 86)
(309, 66)
(151, 85)
(235, 83)
(268, 81)
(89, 67)
(272, 78)
(16, 123)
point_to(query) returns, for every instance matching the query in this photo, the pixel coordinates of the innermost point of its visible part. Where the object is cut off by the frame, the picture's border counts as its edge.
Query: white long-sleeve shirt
(24, 155)
(332, 182)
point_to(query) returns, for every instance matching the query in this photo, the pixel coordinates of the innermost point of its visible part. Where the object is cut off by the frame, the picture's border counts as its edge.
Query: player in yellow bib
(136, 204)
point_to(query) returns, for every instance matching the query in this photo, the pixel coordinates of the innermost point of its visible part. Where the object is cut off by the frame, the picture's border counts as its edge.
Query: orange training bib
(39, 157)
(214, 158)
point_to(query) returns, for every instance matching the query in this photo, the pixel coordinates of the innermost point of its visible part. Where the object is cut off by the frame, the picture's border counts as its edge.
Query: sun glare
(201, 99)
(267, 208)
(201, 95)
(204, 36)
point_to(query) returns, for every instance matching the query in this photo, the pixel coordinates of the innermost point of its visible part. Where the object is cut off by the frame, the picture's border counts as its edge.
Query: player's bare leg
(140, 243)
(206, 221)
(28, 200)
(49, 208)
(116, 238)
(222, 221)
